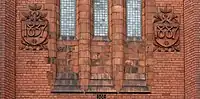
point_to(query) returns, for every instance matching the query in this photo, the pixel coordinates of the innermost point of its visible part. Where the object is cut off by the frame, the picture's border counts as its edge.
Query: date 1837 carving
(166, 31)
(34, 28)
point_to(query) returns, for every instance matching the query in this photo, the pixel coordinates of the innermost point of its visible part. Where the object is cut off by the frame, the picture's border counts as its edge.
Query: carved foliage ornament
(166, 31)
(34, 29)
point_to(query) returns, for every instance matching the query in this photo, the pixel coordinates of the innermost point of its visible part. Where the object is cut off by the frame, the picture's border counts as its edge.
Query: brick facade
(7, 58)
(161, 73)
(191, 35)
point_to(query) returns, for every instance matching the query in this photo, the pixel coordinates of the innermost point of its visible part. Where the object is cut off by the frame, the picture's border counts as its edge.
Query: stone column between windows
(51, 7)
(118, 29)
(84, 29)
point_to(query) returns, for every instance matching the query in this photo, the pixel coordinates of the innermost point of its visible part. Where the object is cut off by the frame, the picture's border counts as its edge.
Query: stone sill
(82, 92)
(122, 91)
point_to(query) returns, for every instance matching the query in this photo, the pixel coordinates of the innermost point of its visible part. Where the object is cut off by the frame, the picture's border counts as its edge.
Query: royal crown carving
(166, 31)
(34, 29)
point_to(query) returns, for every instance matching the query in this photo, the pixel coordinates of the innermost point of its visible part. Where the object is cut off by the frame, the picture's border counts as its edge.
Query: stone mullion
(124, 20)
(118, 29)
(77, 17)
(53, 29)
(147, 35)
(109, 19)
(84, 37)
(50, 7)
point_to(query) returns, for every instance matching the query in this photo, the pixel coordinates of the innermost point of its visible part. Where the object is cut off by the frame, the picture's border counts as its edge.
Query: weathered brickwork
(189, 53)
(86, 65)
(7, 52)
(197, 49)
(191, 33)
(2, 45)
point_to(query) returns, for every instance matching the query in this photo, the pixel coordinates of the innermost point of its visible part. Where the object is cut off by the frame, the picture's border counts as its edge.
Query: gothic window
(101, 18)
(67, 19)
(133, 19)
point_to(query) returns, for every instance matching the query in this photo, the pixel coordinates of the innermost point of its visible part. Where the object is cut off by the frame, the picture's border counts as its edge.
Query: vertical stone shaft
(51, 7)
(84, 37)
(118, 29)
(53, 24)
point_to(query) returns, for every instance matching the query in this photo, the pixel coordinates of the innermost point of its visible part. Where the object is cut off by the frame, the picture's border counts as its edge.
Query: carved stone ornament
(166, 31)
(131, 66)
(34, 29)
(66, 48)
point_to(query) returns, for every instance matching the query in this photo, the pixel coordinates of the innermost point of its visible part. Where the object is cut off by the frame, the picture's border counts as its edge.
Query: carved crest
(34, 28)
(166, 31)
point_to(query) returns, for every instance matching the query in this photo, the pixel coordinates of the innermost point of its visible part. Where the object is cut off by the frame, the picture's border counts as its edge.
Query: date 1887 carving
(166, 31)
(34, 28)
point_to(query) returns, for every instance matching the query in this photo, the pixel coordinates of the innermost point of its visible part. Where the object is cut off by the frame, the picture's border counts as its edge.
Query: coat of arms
(166, 31)
(34, 28)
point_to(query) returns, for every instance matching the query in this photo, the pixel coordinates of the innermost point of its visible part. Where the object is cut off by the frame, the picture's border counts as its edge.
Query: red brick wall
(189, 33)
(165, 70)
(192, 56)
(30, 66)
(2, 45)
(196, 47)
(7, 67)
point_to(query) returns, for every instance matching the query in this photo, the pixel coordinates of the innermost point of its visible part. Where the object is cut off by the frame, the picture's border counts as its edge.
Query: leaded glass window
(133, 19)
(67, 19)
(101, 18)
